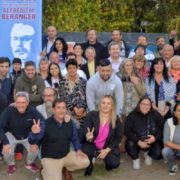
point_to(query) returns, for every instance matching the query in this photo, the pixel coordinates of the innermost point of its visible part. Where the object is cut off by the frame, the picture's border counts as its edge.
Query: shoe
(67, 174)
(174, 169)
(148, 160)
(89, 170)
(136, 164)
(32, 167)
(19, 156)
(108, 168)
(11, 170)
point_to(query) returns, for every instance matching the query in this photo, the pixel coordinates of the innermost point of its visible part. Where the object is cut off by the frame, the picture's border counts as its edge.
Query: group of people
(95, 102)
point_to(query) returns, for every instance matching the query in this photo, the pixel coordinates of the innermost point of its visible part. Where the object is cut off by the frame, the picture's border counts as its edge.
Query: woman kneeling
(144, 131)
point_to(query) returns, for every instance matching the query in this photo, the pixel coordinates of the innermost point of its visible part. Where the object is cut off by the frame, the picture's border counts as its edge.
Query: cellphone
(143, 138)
(96, 153)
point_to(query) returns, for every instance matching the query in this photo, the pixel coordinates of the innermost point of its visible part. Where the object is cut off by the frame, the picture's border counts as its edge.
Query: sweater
(23, 83)
(97, 87)
(136, 123)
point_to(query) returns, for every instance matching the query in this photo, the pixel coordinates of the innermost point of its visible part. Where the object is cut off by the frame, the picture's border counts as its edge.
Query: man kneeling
(56, 136)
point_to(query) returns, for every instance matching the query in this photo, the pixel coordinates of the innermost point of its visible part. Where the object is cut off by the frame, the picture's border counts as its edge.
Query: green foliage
(106, 15)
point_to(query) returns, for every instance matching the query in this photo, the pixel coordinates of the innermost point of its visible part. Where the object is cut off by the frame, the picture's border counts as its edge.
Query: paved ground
(158, 171)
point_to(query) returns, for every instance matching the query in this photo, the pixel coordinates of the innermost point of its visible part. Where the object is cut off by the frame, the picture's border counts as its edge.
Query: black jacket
(16, 75)
(101, 51)
(85, 68)
(127, 48)
(137, 123)
(18, 124)
(115, 135)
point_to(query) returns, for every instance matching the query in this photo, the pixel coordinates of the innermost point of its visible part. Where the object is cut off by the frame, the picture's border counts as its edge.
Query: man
(115, 59)
(160, 42)
(48, 41)
(19, 121)
(81, 73)
(17, 71)
(6, 79)
(101, 50)
(116, 36)
(32, 83)
(143, 40)
(56, 152)
(167, 52)
(104, 82)
(21, 41)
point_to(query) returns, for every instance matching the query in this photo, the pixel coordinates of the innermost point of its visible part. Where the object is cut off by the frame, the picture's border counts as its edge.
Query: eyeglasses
(138, 60)
(128, 65)
(143, 104)
(48, 95)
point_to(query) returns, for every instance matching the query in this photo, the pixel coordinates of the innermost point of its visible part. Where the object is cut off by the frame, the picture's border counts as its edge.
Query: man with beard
(160, 42)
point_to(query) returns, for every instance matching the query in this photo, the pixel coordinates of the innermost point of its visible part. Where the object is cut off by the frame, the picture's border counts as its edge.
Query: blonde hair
(113, 115)
(171, 61)
(139, 57)
(44, 59)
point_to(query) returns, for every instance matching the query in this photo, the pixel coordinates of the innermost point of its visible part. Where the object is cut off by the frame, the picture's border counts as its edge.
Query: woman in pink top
(103, 132)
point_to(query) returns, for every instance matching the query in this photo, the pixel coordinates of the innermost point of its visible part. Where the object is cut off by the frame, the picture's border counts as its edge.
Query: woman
(171, 152)
(144, 131)
(174, 70)
(72, 89)
(43, 67)
(103, 133)
(78, 51)
(61, 47)
(54, 76)
(140, 65)
(90, 67)
(160, 88)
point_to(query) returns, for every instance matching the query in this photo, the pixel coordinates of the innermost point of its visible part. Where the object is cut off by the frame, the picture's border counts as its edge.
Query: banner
(21, 29)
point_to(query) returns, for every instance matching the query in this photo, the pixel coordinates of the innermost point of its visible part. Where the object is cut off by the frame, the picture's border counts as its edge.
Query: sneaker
(148, 160)
(174, 169)
(11, 170)
(32, 167)
(18, 156)
(136, 164)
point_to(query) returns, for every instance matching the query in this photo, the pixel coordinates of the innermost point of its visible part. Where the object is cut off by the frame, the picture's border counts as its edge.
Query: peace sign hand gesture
(90, 135)
(36, 127)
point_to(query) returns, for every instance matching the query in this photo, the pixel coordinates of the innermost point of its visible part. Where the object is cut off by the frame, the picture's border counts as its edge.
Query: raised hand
(90, 134)
(36, 127)
(172, 34)
(6, 149)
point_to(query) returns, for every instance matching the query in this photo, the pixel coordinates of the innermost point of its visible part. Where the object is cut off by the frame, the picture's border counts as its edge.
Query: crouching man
(56, 138)
(19, 121)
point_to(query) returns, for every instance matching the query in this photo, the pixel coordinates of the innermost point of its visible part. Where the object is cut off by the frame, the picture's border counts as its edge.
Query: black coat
(101, 51)
(115, 135)
(85, 69)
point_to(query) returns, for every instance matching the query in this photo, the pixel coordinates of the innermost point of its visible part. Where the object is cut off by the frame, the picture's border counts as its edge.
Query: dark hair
(71, 62)
(78, 44)
(70, 54)
(17, 60)
(160, 38)
(116, 30)
(5, 59)
(142, 46)
(57, 101)
(104, 62)
(65, 46)
(137, 109)
(50, 75)
(165, 72)
(175, 120)
(29, 63)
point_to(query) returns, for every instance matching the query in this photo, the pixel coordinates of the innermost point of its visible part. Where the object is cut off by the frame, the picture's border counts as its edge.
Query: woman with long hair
(54, 76)
(43, 67)
(102, 129)
(61, 47)
(160, 88)
(144, 131)
(171, 151)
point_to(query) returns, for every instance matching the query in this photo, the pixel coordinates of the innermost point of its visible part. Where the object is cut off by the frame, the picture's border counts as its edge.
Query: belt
(20, 138)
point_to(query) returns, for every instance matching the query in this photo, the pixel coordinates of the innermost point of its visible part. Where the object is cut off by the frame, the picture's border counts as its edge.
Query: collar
(17, 72)
(110, 59)
(51, 41)
(7, 76)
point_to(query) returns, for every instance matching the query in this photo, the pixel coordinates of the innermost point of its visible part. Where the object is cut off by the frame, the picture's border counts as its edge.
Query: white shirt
(80, 73)
(115, 65)
(48, 46)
